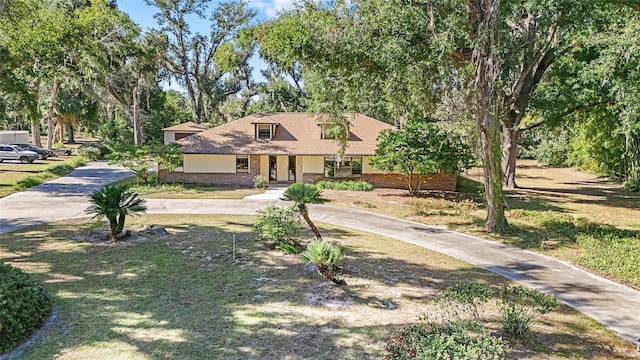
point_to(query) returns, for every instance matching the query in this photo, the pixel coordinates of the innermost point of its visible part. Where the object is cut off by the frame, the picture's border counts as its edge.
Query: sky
(142, 14)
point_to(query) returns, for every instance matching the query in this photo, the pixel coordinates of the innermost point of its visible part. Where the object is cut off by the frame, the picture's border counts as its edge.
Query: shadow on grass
(189, 295)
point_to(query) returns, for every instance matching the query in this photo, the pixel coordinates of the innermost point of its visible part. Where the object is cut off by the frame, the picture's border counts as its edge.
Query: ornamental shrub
(93, 151)
(25, 304)
(280, 226)
(520, 305)
(344, 185)
(260, 182)
(431, 341)
(325, 256)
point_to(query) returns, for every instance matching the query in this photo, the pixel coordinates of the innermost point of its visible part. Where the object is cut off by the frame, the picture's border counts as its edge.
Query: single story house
(180, 131)
(286, 148)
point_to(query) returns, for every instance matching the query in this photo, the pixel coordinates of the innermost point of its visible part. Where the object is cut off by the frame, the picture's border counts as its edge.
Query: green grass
(184, 296)
(188, 191)
(14, 177)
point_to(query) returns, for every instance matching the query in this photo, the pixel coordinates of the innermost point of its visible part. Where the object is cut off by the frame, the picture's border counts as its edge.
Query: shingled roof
(295, 134)
(189, 126)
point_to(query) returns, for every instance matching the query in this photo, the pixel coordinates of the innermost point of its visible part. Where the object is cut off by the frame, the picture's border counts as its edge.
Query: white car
(13, 152)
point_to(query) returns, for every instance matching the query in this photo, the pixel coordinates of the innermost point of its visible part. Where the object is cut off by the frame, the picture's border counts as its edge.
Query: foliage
(554, 148)
(115, 203)
(279, 226)
(303, 194)
(325, 256)
(139, 160)
(466, 301)
(214, 67)
(419, 150)
(344, 185)
(168, 157)
(431, 341)
(261, 182)
(25, 304)
(520, 305)
(93, 151)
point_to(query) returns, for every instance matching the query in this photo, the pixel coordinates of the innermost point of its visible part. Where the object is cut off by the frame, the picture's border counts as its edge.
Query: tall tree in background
(209, 67)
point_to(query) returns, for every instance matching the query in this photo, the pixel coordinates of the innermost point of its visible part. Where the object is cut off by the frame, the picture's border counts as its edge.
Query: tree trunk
(305, 216)
(483, 15)
(35, 121)
(135, 118)
(509, 154)
(52, 103)
(72, 139)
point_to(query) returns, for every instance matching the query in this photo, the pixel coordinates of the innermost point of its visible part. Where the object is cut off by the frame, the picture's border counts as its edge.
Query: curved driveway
(614, 305)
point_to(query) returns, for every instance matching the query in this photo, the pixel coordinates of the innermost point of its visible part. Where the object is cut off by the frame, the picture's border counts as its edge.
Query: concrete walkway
(273, 192)
(614, 305)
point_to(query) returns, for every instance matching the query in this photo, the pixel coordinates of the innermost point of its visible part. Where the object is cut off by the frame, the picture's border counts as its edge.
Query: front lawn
(560, 212)
(15, 176)
(183, 296)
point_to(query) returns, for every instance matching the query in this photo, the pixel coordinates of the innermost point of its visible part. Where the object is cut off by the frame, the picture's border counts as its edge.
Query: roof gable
(295, 134)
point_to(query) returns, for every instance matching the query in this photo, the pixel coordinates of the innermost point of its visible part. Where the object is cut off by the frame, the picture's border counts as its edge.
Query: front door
(273, 168)
(292, 168)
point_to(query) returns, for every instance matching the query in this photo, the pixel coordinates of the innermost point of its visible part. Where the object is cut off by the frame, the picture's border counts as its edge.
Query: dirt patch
(102, 237)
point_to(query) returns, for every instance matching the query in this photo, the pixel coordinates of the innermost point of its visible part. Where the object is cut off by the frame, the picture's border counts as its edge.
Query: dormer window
(264, 131)
(325, 132)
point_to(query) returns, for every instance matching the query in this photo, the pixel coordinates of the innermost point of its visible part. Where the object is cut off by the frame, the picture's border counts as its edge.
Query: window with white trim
(242, 163)
(351, 166)
(263, 131)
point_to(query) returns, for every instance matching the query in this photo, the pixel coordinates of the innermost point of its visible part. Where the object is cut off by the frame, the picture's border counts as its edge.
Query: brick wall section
(228, 179)
(439, 182)
(312, 178)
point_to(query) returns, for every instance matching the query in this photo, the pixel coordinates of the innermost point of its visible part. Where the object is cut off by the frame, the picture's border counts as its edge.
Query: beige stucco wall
(264, 165)
(368, 169)
(169, 137)
(299, 169)
(313, 164)
(282, 162)
(202, 163)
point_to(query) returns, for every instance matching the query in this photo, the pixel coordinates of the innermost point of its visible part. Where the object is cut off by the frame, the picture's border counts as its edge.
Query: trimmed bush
(431, 341)
(280, 226)
(93, 151)
(344, 185)
(25, 304)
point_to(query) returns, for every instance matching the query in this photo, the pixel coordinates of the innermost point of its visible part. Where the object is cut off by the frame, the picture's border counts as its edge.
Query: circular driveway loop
(614, 305)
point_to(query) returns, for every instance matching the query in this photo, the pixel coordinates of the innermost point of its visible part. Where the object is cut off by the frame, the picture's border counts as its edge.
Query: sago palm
(303, 194)
(325, 256)
(115, 203)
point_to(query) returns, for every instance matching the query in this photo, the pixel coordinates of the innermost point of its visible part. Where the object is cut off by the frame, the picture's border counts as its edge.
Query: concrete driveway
(66, 197)
(614, 305)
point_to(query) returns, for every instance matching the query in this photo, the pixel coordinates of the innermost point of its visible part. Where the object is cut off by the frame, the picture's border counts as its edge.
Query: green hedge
(344, 185)
(25, 304)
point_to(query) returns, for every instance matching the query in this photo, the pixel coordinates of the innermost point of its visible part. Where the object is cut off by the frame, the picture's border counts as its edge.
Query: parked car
(43, 154)
(14, 152)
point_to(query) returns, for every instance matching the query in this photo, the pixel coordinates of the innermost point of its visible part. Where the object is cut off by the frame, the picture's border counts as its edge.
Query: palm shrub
(25, 304)
(280, 226)
(303, 194)
(325, 256)
(115, 203)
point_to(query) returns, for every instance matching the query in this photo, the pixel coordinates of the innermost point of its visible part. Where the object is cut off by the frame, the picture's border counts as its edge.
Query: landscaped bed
(182, 295)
